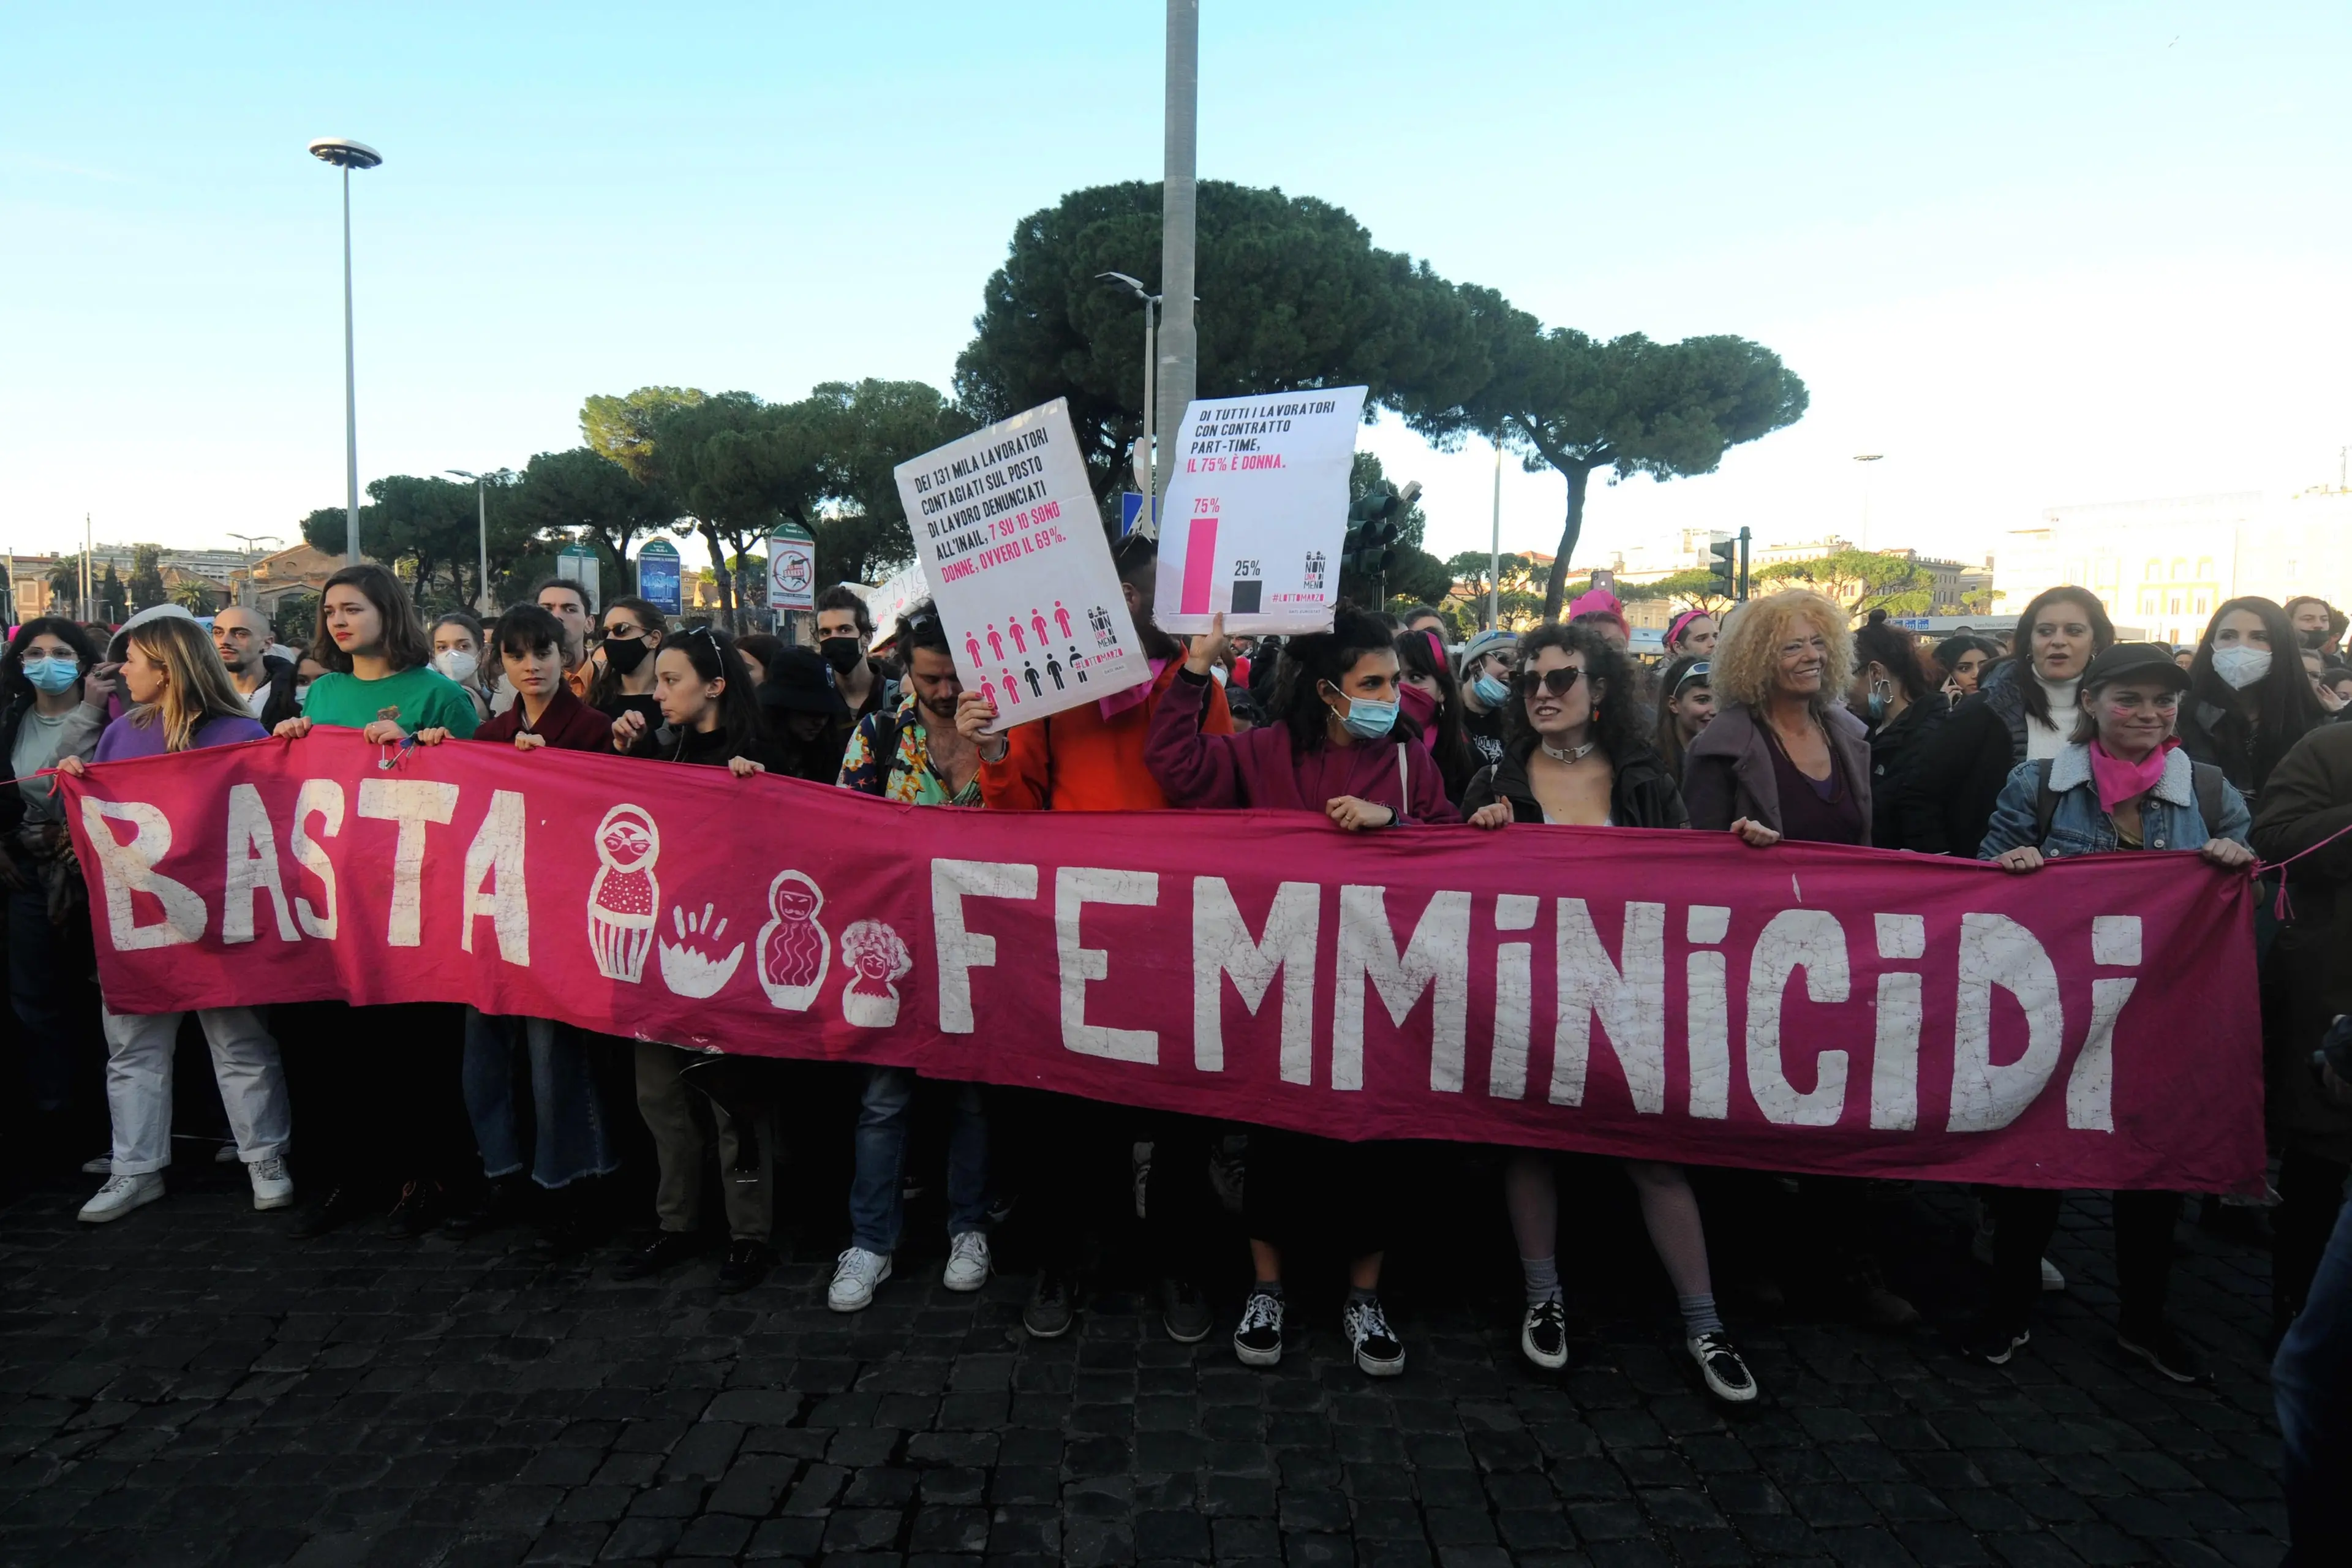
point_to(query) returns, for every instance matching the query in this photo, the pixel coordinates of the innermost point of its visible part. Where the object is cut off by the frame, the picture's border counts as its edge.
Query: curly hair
(1749, 654)
(1619, 723)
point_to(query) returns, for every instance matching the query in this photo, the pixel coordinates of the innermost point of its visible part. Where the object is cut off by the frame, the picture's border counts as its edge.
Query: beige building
(2161, 566)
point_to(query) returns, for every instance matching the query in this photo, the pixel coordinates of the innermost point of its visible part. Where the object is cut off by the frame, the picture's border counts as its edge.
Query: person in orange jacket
(1091, 759)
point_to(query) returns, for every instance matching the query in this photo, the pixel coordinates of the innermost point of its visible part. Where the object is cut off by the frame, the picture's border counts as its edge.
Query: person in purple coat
(1338, 747)
(181, 699)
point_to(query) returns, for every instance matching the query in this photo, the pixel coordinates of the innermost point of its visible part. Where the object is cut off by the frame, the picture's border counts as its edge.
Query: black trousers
(2025, 1218)
(378, 1094)
(2311, 1191)
(1070, 1163)
(1301, 1188)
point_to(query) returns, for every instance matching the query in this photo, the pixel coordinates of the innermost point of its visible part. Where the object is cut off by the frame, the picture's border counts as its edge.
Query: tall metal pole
(1179, 345)
(88, 574)
(482, 582)
(351, 393)
(1148, 470)
(1494, 566)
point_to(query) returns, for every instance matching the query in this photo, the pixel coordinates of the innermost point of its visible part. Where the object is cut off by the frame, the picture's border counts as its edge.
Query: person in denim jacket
(2122, 783)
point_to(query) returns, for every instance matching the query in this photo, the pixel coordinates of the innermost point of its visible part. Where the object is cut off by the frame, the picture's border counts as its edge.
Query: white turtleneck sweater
(2047, 741)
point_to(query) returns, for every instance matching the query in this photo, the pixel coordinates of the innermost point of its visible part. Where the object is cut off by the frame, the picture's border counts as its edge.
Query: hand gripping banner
(1661, 995)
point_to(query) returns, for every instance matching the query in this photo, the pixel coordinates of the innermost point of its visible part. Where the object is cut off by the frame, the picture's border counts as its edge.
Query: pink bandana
(1111, 707)
(2120, 781)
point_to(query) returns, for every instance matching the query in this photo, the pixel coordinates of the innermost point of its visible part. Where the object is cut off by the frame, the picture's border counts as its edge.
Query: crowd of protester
(1779, 721)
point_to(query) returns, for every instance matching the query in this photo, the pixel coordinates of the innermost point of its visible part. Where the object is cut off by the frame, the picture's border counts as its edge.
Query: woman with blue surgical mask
(1337, 747)
(1486, 681)
(2249, 700)
(56, 710)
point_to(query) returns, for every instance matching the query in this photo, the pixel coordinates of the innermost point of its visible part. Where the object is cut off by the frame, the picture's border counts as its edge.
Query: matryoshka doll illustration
(795, 950)
(625, 896)
(876, 957)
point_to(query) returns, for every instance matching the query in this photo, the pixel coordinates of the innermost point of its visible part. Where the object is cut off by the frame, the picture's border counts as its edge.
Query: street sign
(658, 576)
(578, 563)
(1130, 509)
(791, 568)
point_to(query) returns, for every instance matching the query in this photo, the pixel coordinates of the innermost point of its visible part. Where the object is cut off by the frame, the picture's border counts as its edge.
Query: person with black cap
(806, 713)
(2121, 781)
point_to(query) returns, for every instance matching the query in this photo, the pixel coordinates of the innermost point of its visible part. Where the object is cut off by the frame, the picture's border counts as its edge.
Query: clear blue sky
(2033, 254)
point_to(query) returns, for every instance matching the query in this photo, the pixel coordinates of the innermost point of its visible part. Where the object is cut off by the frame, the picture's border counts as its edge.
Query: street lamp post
(1181, 344)
(347, 154)
(482, 519)
(1866, 457)
(1494, 546)
(1143, 442)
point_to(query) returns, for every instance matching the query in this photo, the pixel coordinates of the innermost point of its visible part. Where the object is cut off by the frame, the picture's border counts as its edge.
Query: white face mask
(2240, 665)
(457, 665)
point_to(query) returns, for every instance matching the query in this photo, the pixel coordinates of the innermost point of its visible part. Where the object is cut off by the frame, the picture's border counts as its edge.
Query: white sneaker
(967, 1267)
(1257, 1338)
(1543, 1334)
(225, 1154)
(854, 1277)
(2050, 1278)
(101, 1166)
(121, 1196)
(272, 1187)
(1719, 1363)
(1378, 1354)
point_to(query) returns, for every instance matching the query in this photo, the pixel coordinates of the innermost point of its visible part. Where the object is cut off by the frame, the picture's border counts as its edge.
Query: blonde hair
(1748, 655)
(196, 687)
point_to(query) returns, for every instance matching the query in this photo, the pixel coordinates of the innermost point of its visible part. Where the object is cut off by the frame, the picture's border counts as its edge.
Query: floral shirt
(908, 775)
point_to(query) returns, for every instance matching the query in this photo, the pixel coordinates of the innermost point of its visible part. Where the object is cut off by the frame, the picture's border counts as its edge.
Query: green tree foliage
(113, 599)
(1293, 294)
(65, 585)
(295, 619)
(622, 428)
(1524, 581)
(1860, 580)
(146, 576)
(576, 493)
(427, 526)
(1697, 588)
(1579, 405)
(194, 596)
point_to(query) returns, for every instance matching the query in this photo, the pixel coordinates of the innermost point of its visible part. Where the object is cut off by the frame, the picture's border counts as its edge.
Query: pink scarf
(1118, 703)
(2120, 781)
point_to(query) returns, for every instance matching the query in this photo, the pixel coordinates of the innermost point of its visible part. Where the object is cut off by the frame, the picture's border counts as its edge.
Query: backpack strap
(2205, 781)
(2045, 801)
(883, 747)
(1404, 787)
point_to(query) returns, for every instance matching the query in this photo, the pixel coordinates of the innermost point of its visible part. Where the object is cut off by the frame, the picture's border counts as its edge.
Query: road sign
(1130, 509)
(578, 563)
(791, 568)
(658, 576)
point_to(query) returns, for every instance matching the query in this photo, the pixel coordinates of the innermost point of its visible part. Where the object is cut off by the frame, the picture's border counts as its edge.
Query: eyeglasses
(1556, 682)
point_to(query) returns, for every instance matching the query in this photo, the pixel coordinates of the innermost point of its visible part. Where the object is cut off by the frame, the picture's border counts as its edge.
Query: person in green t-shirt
(378, 1091)
(380, 678)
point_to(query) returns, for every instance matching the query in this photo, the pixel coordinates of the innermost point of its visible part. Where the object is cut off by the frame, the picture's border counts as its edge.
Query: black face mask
(2314, 638)
(623, 655)
(841, 653)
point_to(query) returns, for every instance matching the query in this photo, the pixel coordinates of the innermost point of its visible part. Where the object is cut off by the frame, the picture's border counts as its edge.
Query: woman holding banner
(1338, 748)
(182, 699)
(1577, 757)
(379, 1084)
(2122, 783)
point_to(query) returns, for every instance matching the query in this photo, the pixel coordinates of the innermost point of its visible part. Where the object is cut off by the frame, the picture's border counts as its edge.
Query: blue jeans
(569, 1139)
(2312, 1382)
(37, 993)
(876, 1213)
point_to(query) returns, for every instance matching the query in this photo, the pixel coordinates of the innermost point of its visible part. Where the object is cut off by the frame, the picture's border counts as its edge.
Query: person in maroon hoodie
(568, 1146)
(1338, 747)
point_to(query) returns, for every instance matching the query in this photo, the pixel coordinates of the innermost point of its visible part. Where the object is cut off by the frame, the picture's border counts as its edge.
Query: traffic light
(1374, 519)
(1726, 566)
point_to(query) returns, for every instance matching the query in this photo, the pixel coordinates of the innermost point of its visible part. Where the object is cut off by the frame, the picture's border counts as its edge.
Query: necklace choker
(1568, 753)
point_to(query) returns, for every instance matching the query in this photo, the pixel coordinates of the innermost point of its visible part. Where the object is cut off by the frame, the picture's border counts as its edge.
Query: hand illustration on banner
(625, 896)
(875, 956)
(795, 950)
(687, 967)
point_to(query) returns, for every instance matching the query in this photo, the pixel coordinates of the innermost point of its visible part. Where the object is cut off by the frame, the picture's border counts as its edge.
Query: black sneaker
(1993, 1344)
(1543, 1334)
(420, 1205)
(2157, 1345)
(1184, 1311)
(1378, 1354)
(498, 1204)
(1257, 1339)
(339, 1207)
(1720, 1366)
(666, 1249)
(747, 1264)
(1048, 1311)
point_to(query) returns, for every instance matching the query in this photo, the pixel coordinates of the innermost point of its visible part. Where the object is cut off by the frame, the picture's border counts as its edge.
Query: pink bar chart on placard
(1200, 566)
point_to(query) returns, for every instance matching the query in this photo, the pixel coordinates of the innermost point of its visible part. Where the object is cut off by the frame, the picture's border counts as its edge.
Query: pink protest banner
(1666, 995)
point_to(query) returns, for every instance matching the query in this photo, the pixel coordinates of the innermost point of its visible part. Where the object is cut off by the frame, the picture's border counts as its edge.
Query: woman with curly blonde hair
(1786, 759)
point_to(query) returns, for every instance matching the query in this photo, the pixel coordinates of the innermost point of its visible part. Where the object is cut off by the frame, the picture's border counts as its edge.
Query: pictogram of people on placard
(1054, 668)
(995, 644)
(972, 647)
(1076, 667)
(1012, 688)
(1037, 624)
(1029, 674)
(1061, 620)
(1020, 642)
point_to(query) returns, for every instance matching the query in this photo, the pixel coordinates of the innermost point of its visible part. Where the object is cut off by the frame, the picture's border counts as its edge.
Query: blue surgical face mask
(1880, 692)
(1491, 691)
(52, 674)
(1367, 719)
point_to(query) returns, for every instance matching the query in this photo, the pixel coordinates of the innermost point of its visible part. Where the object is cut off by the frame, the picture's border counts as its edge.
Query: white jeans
(139, 1084)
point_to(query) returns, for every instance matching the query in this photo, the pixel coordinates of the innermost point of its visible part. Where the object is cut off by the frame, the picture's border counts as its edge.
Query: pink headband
(1674, 629)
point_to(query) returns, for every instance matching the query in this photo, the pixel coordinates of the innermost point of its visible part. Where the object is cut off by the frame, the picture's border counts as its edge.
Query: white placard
(1255, 511)
(892, 597)
(1005, 529)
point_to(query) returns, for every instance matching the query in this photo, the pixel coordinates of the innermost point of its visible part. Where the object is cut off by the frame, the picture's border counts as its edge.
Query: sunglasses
(1557, 682)
(1696, 673)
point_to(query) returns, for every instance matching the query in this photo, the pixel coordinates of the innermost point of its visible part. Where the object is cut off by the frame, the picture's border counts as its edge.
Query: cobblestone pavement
(190, 1386)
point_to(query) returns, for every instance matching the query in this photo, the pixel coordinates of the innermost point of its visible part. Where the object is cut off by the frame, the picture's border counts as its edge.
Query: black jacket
(1958, 772)
(278, 681)
(709, 748)
(1643, 795)
(1895, 748)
